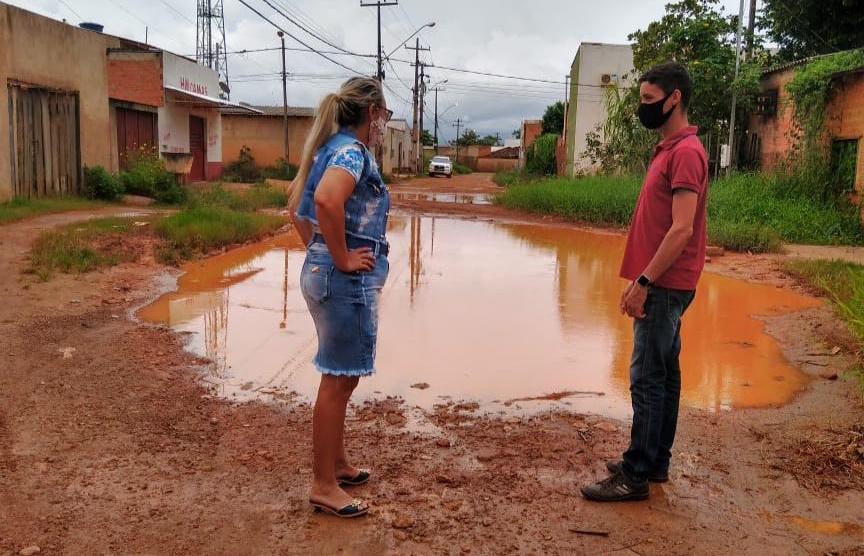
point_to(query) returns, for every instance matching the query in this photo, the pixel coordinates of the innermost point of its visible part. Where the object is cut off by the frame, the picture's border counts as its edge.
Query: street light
(435, 88)
(430, 24)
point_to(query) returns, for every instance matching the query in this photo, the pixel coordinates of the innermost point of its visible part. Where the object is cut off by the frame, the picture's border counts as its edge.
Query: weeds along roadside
(746, 212)
(210, 219)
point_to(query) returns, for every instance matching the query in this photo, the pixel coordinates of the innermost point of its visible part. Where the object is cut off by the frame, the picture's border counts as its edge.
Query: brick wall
(773, 131)
(136, 77)
(846, 117)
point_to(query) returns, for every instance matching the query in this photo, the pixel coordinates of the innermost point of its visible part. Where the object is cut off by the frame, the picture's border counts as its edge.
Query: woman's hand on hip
(361, 259)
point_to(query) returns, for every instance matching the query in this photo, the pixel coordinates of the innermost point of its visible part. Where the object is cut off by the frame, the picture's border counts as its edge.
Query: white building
(397, 151)
(595, 67)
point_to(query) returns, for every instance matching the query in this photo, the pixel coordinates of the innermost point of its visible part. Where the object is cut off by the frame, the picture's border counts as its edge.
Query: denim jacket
(367, 209)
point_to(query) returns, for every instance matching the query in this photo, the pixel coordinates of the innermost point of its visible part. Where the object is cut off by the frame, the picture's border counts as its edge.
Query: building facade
(771, 128)
(595, 67)
(263, 133)
(73, 97)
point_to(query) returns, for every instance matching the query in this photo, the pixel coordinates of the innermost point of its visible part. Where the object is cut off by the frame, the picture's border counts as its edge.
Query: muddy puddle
(516, 317)
(462, 198)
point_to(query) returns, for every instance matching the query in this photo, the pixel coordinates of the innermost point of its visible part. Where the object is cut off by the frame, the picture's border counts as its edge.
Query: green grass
(200, 230)
(598, 200)
(81, 247)
(746, 212)
(19, 209)
(245, 200)
(843, 283)
(759, 200)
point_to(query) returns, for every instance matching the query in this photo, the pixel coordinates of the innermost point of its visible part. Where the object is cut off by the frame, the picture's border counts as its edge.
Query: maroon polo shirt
(679, 162)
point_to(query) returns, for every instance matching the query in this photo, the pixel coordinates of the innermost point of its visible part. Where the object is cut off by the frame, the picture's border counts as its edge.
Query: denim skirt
(344, 307)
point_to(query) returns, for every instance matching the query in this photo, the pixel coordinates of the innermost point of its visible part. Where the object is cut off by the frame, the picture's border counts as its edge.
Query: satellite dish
(605, 79)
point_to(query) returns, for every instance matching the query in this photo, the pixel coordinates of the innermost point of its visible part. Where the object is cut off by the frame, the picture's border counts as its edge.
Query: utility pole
(421, 105)
(457, 125)
(284, 101)
(415, 133)
(734, 95)
(436, 119)
(378, 4)
(751, 26)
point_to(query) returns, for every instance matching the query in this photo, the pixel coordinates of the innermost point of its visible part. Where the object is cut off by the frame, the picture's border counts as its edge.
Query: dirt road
(109, 445)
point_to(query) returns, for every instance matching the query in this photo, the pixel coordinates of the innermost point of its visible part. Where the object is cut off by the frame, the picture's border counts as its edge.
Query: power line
(68, 7)
(175, 10)
(268, 20)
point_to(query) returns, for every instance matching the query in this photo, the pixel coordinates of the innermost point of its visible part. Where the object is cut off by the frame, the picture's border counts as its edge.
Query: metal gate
(45, 152)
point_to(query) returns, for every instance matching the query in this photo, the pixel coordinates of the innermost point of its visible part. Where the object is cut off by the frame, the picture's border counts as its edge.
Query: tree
(553, 118)
(702, 38)
(803, 28)
(490, 140)
(469, 137)
(427, 138)
(516, 133)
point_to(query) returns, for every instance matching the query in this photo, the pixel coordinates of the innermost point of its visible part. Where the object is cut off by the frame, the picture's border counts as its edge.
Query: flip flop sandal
(361, 477)
(353, 509)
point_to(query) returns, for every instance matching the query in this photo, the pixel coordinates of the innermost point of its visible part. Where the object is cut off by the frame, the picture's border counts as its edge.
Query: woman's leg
(328, 426)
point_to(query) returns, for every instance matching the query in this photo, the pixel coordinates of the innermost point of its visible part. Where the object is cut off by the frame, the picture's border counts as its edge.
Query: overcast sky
(536, 39)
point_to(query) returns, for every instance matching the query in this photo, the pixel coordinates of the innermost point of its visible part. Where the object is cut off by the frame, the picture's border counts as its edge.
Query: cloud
(533, 39)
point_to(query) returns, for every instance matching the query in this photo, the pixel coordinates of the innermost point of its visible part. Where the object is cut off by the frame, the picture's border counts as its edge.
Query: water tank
(92, 26)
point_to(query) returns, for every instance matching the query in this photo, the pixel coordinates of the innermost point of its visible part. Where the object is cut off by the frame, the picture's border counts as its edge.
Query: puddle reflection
(498, 313)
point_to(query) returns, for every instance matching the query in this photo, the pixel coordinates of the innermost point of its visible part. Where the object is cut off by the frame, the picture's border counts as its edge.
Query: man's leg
(679, 301)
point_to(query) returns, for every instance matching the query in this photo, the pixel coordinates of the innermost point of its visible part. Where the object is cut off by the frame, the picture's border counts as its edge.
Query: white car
(441, 165)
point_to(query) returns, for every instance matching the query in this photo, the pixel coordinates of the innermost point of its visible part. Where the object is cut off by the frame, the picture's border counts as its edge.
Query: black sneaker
(616, 488)
(614, 466)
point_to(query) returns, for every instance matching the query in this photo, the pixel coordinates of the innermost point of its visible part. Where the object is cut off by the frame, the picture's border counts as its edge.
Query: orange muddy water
(512, 316)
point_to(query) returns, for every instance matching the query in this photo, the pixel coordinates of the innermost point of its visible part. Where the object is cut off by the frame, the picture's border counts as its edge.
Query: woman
(339, 205)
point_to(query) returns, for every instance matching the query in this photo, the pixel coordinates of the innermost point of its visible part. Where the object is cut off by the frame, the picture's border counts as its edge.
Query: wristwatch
(644, 281)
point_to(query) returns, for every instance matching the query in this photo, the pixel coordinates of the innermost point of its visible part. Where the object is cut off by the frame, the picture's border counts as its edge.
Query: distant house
(595, 67)
(396, 153)
(501, 158)
(768, 137)
(263, 132)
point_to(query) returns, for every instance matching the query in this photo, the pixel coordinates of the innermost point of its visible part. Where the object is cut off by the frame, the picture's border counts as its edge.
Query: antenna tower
(210, 50)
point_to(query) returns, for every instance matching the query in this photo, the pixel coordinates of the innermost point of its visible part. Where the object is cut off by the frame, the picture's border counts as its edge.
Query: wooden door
(136, 129)
(45, 152)
(198, 148)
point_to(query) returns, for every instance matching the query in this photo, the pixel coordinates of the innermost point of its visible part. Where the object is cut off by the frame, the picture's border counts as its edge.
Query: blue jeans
(655, 381)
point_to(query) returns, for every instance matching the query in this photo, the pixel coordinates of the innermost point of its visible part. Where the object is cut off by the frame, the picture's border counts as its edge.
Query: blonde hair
(345, 108)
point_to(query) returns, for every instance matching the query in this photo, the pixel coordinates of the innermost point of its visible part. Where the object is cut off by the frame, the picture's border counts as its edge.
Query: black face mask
(651, 114)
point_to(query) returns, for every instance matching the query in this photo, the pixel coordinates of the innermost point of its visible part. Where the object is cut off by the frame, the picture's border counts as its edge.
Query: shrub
(144, 174)
(280, 171)
(100, 184)
(243, 169)
(541, 155)
(506, 178)
(459, 168)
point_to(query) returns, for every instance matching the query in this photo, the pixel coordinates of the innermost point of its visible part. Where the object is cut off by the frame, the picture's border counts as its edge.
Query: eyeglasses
(387, 113)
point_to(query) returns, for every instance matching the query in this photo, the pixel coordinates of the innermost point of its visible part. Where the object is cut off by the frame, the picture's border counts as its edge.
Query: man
(663, 260)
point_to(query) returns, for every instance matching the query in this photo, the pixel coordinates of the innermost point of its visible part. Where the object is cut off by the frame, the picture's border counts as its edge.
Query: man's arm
(684, 205)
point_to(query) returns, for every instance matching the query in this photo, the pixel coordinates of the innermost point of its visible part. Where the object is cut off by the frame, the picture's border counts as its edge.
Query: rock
(395, 419)
(606, 427)
(828, 375)
(30, 550)
(420, 385)
(835, 350)
(444, 479)
(403, 521)
(487, 455)
(442, 443)
(714, 251)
